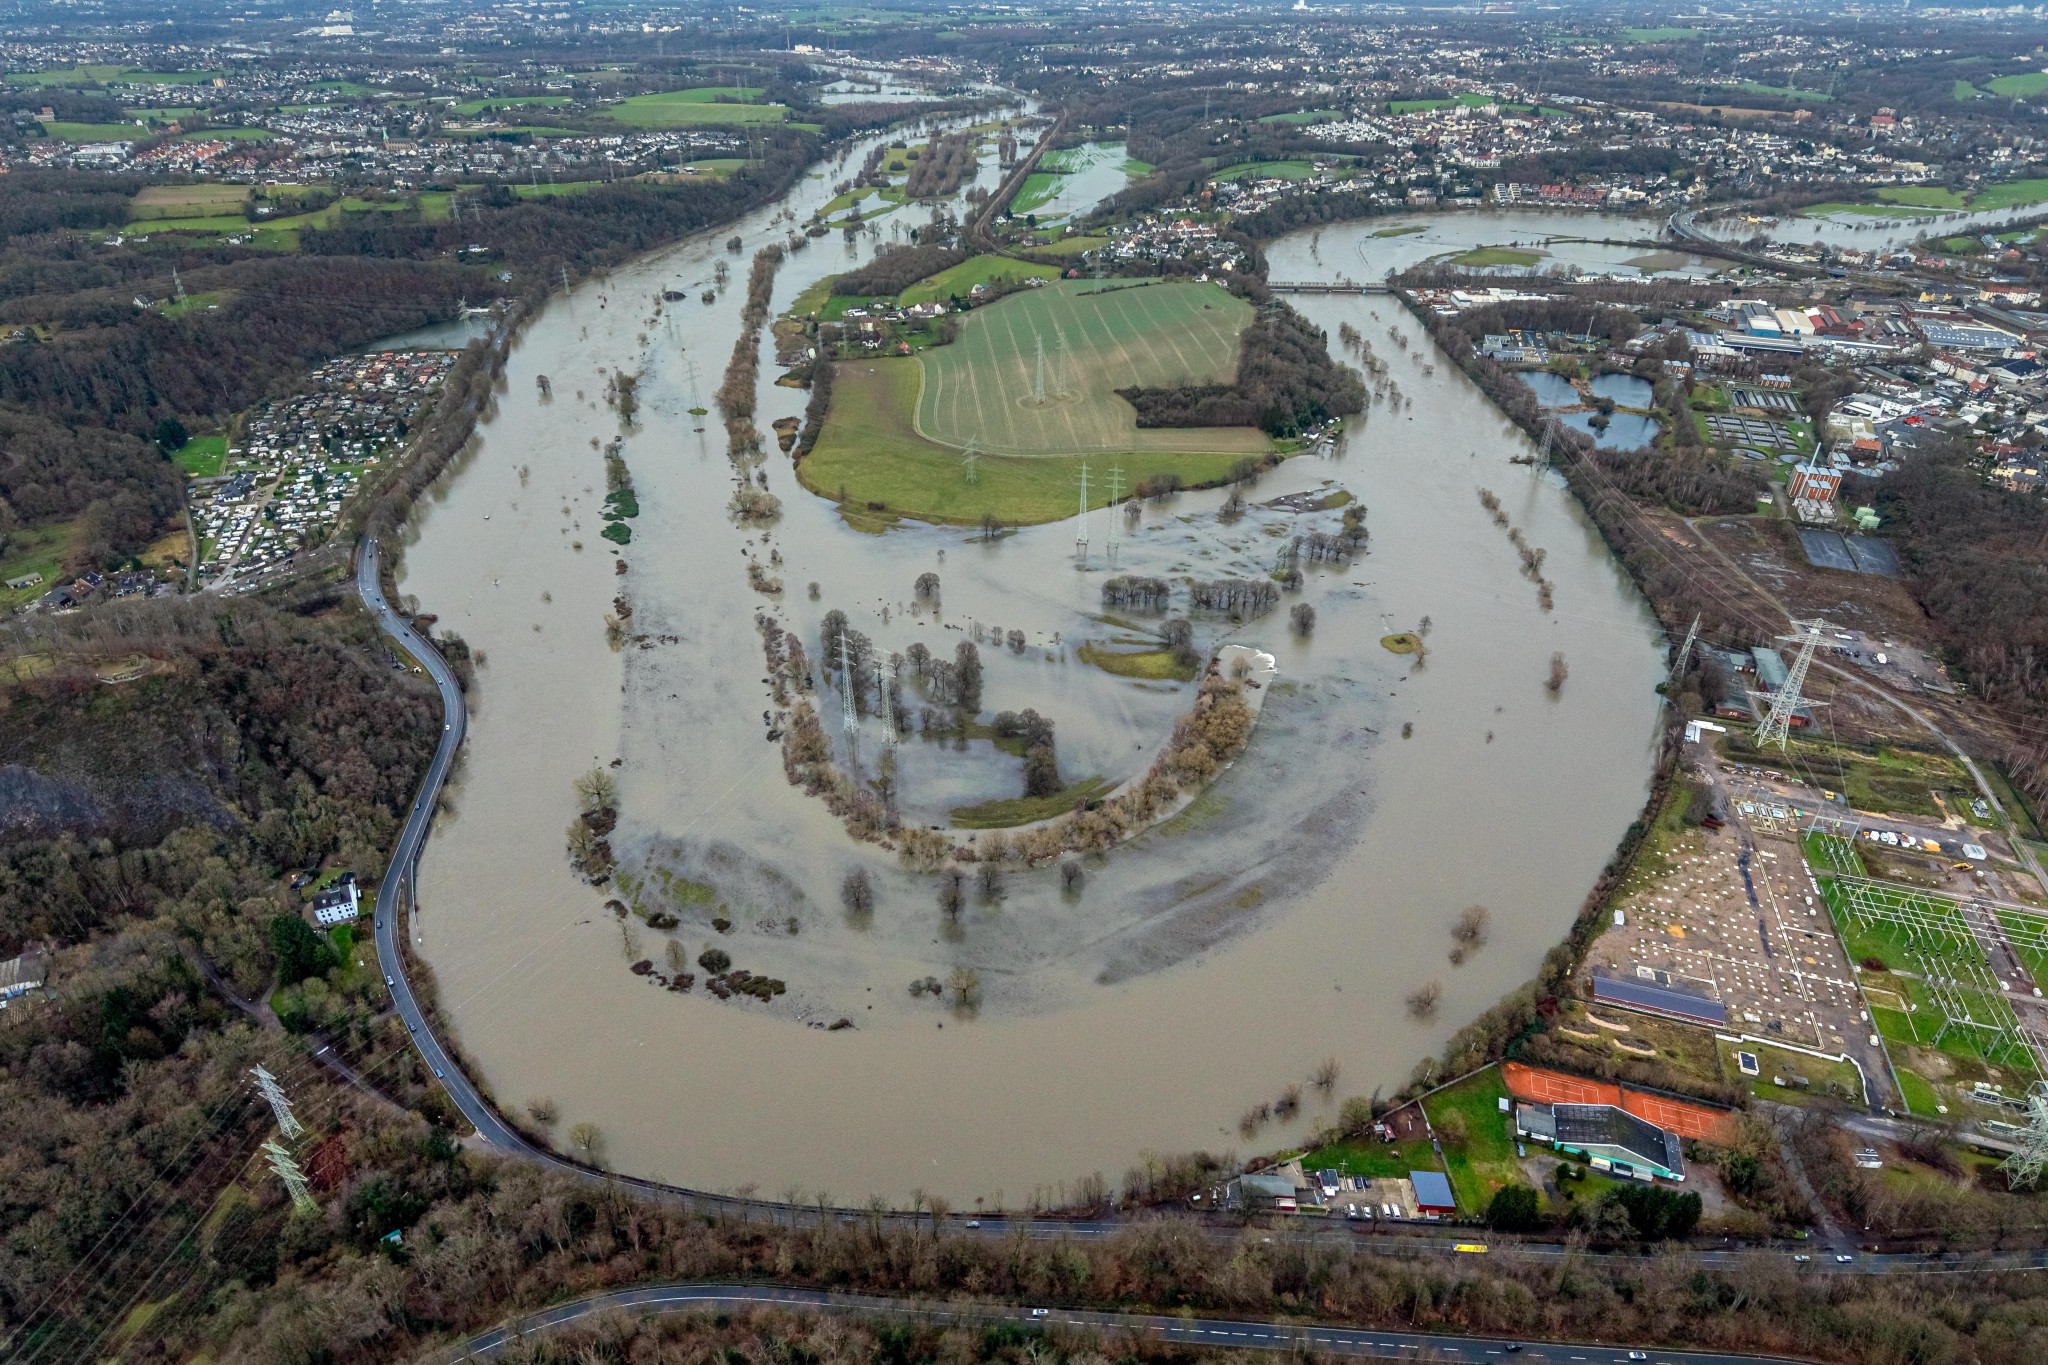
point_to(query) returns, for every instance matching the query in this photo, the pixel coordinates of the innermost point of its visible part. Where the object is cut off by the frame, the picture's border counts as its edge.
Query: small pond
(1624, 389)
(1551, 390)
(1625, 430)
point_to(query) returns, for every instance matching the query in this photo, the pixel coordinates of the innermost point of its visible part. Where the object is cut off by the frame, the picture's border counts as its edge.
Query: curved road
(1232, 1333)
(399, 886)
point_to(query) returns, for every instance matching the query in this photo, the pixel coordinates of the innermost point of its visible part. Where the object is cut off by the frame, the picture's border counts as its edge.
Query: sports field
(1097, 339)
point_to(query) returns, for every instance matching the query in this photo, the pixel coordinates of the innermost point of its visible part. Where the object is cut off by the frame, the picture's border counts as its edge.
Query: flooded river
(1199, 970)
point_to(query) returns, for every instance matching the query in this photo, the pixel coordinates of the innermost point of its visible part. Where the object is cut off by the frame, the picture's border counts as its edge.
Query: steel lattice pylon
(1785, 701)
(2023, 1168)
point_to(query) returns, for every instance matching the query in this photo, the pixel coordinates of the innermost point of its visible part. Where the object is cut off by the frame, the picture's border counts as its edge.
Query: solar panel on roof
(1659, 999)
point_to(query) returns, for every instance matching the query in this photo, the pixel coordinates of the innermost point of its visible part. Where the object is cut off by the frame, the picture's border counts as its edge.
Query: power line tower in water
(1785, 701)
(1116, 487)
(1081, 538)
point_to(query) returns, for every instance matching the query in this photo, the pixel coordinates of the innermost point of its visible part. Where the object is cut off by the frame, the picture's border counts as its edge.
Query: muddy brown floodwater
(1200, 970)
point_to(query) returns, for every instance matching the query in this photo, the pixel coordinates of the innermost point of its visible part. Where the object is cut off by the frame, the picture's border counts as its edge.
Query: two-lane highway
(399, 878)
(1220, 1333)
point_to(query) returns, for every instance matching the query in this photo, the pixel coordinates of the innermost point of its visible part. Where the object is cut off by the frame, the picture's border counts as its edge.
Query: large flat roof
(1644, 995)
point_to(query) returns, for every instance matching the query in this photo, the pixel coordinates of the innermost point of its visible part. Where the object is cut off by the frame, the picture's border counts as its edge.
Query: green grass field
(1152, 665)
(214, 222)
(1266, 170)
(682, 108)
(203, 456)
(59, 131)
(1485, 1159)
(980, 388)
(1922, 196)
(237, 134)
(1964, 92)
(36, 550)
(1069, 246)
(555, 189)
(1486, 257)
(109, 75)
(1659, 35)
(198, 302)
(2020, 86)
(1824, 1078)
(1024, 810)
(870, 453)
(1374, 1160)
(185, 201)
(2010, 194)
(1039, 189)
(976, 270)
(1414, 106)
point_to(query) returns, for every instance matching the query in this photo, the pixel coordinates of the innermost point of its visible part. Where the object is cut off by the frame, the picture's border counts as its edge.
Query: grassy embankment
(1491, 257)
(1024, 810)
(1148, 664)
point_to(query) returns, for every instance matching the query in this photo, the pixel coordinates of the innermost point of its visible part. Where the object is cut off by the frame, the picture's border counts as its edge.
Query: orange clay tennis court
(1677, 1116)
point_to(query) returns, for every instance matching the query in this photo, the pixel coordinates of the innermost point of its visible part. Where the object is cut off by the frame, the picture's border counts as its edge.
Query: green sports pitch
(1097, 337)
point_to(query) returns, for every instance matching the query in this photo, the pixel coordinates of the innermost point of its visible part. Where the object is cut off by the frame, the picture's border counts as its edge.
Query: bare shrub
(1423, 1000)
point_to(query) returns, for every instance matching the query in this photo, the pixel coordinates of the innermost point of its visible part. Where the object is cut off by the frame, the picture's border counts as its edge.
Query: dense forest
(1977, 557)
(1285, 383)
(254, 736)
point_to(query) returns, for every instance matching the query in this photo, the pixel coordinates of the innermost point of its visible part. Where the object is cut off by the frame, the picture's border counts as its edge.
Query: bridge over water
(1325, 287)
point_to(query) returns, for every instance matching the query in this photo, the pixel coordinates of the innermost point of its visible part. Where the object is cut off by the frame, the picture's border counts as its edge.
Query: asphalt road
(1366, 1237)
(1230, 1333)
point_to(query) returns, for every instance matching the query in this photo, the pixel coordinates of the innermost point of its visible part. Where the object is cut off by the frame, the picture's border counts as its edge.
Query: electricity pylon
(294, 1179)
(1678, 664)
(1778, 724)
(1081, 540)
(973, 454)
(1038, 383)
(2023, 1168)
(882, 700)
(849, 717)
(279, 1105)
(1116, 485)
